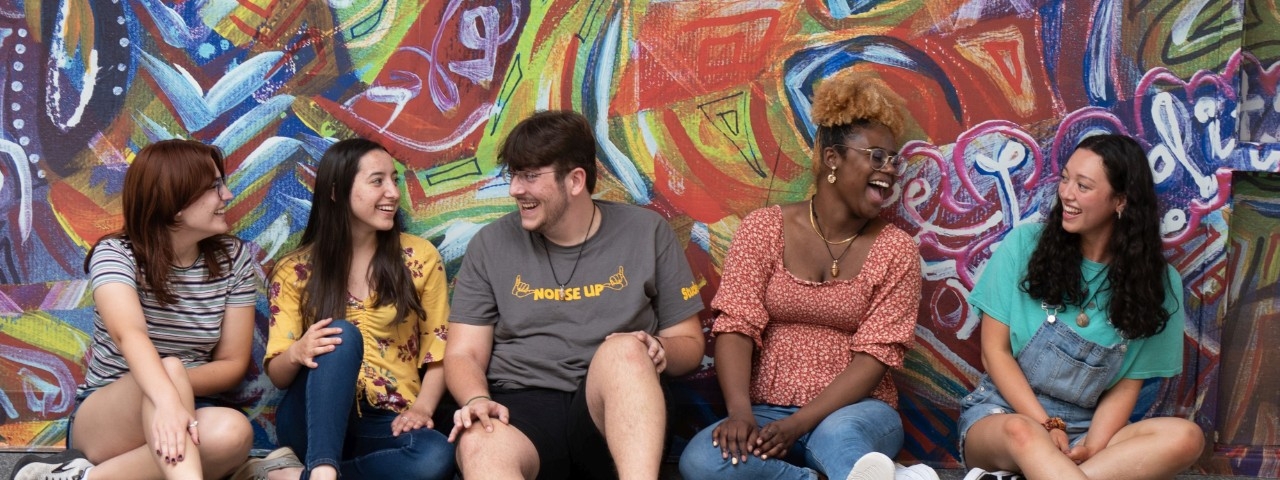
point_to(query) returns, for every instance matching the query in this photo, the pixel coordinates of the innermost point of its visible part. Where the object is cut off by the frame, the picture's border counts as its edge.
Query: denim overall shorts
(1067, 373)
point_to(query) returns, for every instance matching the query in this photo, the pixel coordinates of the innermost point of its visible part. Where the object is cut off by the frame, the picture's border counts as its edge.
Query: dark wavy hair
(327, 239)
(1137, 273)
(559, 138)
(165, 178)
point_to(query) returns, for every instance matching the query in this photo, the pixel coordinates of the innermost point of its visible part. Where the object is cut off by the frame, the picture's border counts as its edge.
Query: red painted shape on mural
(86, 219)
(688, 49)
(978, 87)
(1007, 60)
(706, 192)
(434, 94)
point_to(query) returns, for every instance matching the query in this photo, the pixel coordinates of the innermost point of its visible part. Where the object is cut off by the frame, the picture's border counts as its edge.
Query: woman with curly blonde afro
(817, 301)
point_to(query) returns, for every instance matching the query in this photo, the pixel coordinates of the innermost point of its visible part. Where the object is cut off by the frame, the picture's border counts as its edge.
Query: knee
(1021, 431)
(224, 432)
(349, 331)
(1187, 438)
(350, 350)
(470, 445)
(623, 350)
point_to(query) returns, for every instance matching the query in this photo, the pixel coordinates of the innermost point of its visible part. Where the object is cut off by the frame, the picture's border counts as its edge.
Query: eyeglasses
(219, 183)
(880, 157)
(524, 176)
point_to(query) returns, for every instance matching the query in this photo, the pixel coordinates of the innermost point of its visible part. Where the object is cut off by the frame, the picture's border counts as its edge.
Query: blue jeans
(322, 421)
(831, 448)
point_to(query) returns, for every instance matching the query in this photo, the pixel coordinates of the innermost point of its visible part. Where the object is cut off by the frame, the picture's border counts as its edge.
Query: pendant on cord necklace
(560, 294)
(1082, 320)
(835, 268)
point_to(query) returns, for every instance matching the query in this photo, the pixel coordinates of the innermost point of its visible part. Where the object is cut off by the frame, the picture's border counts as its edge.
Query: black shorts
(559, 425)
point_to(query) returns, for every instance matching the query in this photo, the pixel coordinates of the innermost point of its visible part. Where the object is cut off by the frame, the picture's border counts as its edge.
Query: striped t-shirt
(188, 329)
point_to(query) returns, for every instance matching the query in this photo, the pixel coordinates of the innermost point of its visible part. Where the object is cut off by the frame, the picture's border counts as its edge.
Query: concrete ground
(7, 459)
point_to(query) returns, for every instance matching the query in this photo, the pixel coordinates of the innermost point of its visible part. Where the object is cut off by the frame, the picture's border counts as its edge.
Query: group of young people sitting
(566, 314)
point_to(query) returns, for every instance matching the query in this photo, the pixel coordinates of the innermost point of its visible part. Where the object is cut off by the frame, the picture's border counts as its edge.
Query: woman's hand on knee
(170, 428)
(735, 436)
(318, 340)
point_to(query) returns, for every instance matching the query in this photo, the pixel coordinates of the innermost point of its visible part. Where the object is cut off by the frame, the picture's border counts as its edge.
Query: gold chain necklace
(813, 222)
(835, 261)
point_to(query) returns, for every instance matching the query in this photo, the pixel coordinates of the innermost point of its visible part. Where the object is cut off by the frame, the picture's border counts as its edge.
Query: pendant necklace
(1082, 318)
(817, 228)
(547, 252)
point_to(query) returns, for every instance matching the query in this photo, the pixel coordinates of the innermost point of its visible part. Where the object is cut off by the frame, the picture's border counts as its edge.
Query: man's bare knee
(623, 350)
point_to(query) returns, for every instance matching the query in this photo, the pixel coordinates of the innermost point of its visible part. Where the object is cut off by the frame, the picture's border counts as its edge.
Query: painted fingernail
(180, 457)
(715, 443)
(735, 460)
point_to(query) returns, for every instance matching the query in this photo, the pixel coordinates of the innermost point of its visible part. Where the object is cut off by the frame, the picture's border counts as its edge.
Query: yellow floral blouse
(392, 351)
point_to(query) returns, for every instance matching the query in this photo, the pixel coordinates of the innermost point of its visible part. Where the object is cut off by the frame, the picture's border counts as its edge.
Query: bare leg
(112, 434)
(623, 390)
(504, 453)
(1156, 448)
(1017, 443)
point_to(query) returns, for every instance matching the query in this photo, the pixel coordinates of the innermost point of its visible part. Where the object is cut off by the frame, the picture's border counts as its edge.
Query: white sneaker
(872, 466)
(44, 469)
(980, 474)
(918, 471)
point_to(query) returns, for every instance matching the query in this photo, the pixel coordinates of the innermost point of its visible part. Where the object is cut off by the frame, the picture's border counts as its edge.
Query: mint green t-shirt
(998, 293)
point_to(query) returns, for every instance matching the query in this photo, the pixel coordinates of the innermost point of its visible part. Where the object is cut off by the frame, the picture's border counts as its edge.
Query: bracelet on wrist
(477, 397)
(1055, 423)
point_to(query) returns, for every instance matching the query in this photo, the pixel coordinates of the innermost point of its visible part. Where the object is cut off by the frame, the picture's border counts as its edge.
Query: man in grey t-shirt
(564, 314)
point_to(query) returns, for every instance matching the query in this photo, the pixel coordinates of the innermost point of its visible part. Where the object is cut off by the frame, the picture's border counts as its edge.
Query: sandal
(257, 468)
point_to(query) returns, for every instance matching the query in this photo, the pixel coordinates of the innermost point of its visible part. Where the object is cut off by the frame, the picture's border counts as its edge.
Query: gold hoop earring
(831, 177)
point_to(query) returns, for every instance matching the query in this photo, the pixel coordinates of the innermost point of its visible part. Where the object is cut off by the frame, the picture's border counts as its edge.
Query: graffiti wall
(701, 109)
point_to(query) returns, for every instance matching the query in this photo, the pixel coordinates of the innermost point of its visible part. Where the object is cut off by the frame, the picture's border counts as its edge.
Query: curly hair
(1136, 274)
(852, 101)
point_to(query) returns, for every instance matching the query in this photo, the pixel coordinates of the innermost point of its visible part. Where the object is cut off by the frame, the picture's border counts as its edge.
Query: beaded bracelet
(1055, 423)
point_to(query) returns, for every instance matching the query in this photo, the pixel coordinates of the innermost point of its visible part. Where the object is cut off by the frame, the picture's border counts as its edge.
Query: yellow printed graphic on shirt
(693, 288)
(522, 289)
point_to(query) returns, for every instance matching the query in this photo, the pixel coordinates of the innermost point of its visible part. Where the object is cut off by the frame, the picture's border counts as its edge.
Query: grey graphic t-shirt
(633, 276)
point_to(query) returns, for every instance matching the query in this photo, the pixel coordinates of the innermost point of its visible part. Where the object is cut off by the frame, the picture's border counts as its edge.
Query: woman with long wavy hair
(357, 310)
(1076, 313)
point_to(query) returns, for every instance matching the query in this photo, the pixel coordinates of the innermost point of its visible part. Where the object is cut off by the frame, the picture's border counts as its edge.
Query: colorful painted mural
(702, 112)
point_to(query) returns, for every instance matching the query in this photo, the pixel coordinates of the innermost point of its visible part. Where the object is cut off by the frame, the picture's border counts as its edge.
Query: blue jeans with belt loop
(1067, 373)
(831, 448)
(324, 423)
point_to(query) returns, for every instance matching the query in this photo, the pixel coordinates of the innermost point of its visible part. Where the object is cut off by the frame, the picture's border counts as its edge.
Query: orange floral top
(805, 332)
(392, 351)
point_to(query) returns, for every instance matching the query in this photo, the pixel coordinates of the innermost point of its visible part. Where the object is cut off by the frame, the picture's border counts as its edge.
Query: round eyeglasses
(880, 157)
(524, 176)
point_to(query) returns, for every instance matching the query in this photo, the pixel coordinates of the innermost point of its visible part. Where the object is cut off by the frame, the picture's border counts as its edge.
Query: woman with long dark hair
(356, 310)
(173, 325)
(1076, 313)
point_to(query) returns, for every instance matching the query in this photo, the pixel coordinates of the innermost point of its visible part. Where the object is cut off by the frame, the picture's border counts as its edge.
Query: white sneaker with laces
(980, 474)
(43, 469)
(872, 466)
(915, 472)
